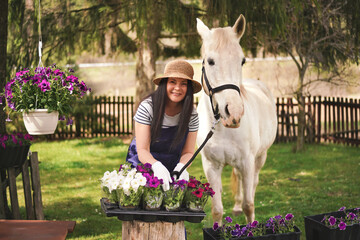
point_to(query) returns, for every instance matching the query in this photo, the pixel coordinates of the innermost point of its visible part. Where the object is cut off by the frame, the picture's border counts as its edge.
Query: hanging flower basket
(40, 121)
(44, 90)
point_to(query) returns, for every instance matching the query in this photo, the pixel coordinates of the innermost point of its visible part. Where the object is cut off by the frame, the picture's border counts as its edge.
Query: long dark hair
(159, 98)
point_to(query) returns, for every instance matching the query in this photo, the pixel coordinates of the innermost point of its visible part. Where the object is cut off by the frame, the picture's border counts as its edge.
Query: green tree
(70, 27)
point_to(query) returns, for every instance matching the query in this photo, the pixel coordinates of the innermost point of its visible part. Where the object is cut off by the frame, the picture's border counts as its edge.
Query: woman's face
(176, 89)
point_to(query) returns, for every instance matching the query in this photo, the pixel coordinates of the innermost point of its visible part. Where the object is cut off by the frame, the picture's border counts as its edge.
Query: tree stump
(138, 230)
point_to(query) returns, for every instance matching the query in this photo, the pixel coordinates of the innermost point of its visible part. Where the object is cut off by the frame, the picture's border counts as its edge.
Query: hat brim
(196, 85)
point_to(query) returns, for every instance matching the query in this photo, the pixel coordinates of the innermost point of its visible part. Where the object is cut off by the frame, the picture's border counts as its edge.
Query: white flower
(135, 184)
(142, 180)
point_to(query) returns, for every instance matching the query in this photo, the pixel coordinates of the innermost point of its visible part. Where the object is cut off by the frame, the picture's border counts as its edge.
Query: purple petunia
(216, 226)
(228, 219)
(342, 225)
(342, 208)
(332, 221)
(45, 86)
(289, 216)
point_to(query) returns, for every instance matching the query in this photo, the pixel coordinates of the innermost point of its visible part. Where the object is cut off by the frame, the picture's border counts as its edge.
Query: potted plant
(109, 184)
(175, 195)
(340, 225)
(14, 149)
(44, 95)
(153, 193)
(131, 187)
(276, 228)
(197, 195)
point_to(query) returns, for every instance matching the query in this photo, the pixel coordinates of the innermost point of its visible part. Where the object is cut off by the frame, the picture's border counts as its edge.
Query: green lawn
(322, 179)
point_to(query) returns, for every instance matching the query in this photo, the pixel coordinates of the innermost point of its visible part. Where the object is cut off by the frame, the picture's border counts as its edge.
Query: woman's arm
(189, 147)
(143, 139)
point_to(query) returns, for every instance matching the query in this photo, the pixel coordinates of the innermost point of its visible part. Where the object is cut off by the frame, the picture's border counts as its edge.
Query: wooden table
(35, 229)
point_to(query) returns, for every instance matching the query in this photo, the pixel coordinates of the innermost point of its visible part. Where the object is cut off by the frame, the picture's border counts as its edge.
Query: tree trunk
(147, 55)
(301, 123)
(3, 45)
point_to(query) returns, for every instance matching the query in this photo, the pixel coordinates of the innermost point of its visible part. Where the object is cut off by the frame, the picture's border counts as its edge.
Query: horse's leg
(236, 185)
(213, 175)
(259, 163)
(248, 184)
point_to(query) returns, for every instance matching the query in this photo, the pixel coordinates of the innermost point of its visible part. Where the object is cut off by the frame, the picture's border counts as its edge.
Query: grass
(321, 179)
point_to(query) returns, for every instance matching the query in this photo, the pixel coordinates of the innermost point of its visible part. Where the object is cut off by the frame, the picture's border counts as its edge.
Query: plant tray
(113, 210)
(316, 230)
(210, 234)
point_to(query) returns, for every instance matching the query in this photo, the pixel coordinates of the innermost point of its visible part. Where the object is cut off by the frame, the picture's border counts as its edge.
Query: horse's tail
(234, 181)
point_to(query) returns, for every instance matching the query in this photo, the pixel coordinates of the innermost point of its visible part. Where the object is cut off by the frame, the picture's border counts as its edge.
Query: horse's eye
(211, 61)
(243, 61)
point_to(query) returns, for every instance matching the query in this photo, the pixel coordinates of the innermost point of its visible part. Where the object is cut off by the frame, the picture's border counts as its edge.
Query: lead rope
(176, 174)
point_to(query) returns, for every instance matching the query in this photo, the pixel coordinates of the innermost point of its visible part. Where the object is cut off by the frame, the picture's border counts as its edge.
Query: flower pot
(40, 121)
(194, 203)
(210, 234)
(173, 198)
(153, 199)
(130, 200)
(13, 156)
(315, 229)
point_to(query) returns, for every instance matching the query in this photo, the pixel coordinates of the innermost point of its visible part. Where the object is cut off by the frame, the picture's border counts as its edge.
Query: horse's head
(223, 59)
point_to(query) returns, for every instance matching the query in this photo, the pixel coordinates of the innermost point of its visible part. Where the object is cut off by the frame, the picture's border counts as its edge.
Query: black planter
(13, 156)
(210, 234)
(113, 210)
(316, 230)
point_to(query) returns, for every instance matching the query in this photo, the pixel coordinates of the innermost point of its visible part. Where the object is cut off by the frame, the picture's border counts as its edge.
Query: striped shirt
(144, 115)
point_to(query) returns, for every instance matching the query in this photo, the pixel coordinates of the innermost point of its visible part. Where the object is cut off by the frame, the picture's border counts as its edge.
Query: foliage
(351, 217)
(44, 88)
(15, 139)
(175, 195)
(197, 194)
(275, 225)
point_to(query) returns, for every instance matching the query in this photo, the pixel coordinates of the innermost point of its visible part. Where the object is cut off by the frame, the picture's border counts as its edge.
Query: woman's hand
(161, 172)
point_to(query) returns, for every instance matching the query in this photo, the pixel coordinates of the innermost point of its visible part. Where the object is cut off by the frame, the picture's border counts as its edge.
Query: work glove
(161, 172)
(184, 175)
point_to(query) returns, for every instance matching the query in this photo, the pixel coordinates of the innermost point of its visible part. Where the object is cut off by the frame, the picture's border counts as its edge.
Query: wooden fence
(328, 119)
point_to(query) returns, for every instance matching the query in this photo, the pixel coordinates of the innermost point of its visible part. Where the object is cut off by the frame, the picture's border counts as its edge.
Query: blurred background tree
(319, 35)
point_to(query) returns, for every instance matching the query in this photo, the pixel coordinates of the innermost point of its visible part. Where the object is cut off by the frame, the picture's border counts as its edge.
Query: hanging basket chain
(40, 37)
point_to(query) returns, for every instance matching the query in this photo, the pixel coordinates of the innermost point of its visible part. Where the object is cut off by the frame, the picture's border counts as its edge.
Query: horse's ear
(202, 29)
(239, 26)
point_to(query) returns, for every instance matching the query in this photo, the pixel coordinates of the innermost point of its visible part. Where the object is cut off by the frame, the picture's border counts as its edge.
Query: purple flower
(69, 122)
(216, 226)
(228, 219)
(147, 165)
(154, 182)
(332, 221)
(250, 234)
(278, 217)
(342, 208)
(254, 224)
(289, 216)
(342, 225)
(62, 118)
(44, 85)
(352, 216)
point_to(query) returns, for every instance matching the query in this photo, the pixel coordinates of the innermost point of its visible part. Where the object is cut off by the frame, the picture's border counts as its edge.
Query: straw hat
(179, 69)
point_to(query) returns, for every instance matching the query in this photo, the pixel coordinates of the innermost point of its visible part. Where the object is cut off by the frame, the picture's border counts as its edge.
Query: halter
(212, 91)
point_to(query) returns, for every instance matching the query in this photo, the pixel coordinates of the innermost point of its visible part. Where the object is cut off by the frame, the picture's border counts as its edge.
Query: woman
(166, 123)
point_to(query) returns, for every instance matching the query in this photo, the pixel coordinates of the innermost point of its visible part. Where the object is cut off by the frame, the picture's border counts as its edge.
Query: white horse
(247, 112)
